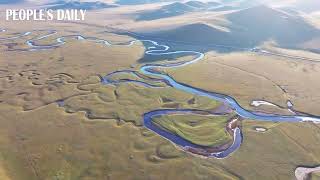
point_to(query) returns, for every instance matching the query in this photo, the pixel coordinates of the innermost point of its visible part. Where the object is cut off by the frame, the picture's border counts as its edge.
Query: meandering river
(153, 48)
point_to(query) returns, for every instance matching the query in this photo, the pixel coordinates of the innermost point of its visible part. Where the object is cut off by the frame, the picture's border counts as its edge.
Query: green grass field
(201, 130)
(315, 176)
(40, 140)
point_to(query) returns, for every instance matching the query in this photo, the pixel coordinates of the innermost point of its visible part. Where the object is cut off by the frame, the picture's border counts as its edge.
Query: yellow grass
(249, 77)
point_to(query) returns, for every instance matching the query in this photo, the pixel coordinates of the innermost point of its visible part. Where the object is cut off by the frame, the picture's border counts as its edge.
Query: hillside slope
(248, 28)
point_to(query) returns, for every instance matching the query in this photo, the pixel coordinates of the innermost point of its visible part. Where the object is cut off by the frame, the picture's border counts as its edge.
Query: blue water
(156, 49)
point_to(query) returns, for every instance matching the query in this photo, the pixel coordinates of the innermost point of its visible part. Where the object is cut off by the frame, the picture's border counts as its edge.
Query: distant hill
(229, 1)
(262, 23)
(178, 7)
(137, 2)
(247, 3)
(308, 5)
(79, 5)
(213, 3)
(10, 1)
(195, 33)
(225, 8)
(290, 10)
(248, 28)
(197, 4)
(174, 9)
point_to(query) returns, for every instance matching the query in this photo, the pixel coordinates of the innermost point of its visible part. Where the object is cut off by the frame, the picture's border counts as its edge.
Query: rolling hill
(248, 28)
(10, 1)
(79, 5)
(197, 4)
(137, 2)
(307, 5)
(175, 9)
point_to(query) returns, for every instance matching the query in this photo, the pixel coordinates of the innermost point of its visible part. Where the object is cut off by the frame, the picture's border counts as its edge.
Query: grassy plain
(128, 102)
(315, 176)
(201, 130)
(249, 76)
(38, 78)
(276, 153)
(68, 146)
(49, 143)
(86, 139)
(89, 138)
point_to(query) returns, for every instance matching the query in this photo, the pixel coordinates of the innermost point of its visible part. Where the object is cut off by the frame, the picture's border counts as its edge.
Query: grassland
(3, 173)
(248, 76)
(315, 176)
(51, 144)
(69, 146)
(276, 153)
(38, 78)
(89, 138)
(201, 130)
(128, 102)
